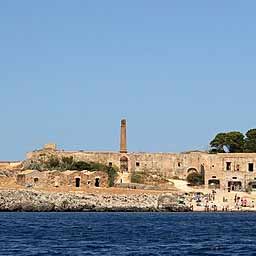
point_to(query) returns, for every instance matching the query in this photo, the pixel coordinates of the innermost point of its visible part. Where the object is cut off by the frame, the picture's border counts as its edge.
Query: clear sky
(179, 71)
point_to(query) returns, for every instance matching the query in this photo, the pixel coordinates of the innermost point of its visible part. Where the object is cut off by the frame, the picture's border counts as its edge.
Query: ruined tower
(123, 139)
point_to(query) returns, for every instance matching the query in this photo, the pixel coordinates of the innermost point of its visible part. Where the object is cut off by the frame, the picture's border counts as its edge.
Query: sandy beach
(201, 199)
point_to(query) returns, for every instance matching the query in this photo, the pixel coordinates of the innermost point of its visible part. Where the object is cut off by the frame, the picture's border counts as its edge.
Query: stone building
(31, 178)
(225, 171)
(67, 179)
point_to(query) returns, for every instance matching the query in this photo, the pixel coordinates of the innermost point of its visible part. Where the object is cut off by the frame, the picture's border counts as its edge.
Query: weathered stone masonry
(233, 171)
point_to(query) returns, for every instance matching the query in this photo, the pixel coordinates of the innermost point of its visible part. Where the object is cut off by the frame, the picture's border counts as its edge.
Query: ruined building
(226, 171)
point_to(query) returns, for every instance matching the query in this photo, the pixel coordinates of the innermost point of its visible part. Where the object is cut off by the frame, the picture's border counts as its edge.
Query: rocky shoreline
(37, 201)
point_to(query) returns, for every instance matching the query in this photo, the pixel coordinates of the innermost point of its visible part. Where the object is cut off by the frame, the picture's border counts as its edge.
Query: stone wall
(166, 164)
(238, 171)
(169, 165)
(10, 164)
(68, 179)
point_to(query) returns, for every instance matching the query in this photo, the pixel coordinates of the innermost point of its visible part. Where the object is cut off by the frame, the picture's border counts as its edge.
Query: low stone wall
(137, 186)
(30, 200)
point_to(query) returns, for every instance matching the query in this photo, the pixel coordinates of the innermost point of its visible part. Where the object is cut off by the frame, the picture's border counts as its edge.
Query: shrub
(195, 179)
(53, 163)
(80, 166)
(137, 177)
(112, 174)
(67, 162)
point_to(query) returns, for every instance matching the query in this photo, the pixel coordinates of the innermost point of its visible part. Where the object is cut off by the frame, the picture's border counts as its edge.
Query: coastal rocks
(168, 203)
(35, 201)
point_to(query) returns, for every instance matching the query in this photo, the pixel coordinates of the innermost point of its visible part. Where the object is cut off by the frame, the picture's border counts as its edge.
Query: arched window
(124, 164)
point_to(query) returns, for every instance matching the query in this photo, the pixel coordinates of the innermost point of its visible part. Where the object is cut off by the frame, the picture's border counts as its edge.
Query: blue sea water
(127, 234)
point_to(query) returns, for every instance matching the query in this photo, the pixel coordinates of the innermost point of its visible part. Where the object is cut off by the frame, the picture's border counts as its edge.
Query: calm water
(127, 234)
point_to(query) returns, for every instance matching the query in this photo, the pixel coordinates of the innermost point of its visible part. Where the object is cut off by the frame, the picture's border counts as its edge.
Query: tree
(195, 179)
(218, 143)
(250, 141)
(112, 175)
(233, 142)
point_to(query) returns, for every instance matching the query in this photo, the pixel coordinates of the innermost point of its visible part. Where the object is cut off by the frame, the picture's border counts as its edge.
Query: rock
(35, 201)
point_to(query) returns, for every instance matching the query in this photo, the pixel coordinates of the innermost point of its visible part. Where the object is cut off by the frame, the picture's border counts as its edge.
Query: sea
(127, 234)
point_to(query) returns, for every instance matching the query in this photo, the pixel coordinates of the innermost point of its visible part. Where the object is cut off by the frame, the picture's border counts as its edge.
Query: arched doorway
(124, 164)
(191, 170)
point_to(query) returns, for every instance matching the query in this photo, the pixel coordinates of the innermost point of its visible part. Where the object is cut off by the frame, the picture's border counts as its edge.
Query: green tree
(195, 179)
(112, 175)
(250, 141)
(232, 141)
(218, 143)
(235, 142)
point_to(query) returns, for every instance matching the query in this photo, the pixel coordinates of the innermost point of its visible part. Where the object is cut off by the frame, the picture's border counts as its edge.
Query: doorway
(78, 182)
(97, 182)
(214, 183)
(235, 185)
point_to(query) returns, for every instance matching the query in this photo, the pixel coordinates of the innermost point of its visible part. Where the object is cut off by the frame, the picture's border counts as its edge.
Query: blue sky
(179, 71)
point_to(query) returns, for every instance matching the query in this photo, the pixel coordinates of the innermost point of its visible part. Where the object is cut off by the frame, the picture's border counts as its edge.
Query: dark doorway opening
(250, 167)
(235, 185)
(214, 183)
(202, 171)
(97, 182)
(78, 182)
(228, 166)
(252, 185)
(36, 180)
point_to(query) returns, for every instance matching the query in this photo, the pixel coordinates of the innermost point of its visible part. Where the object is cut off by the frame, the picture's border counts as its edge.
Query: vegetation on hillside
(148, 178)
(195, 179)
(234, 142)
(52, 162)
(137, 177)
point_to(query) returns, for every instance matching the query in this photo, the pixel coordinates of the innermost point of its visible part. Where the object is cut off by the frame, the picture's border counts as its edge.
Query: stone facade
(237, 171)
(68, 179)
(226, 171)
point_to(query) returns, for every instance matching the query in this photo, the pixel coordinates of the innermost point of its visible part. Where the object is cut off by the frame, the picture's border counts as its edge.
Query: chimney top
(123, 139)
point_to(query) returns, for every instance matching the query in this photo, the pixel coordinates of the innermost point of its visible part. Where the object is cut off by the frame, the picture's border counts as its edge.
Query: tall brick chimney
(123, 139)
